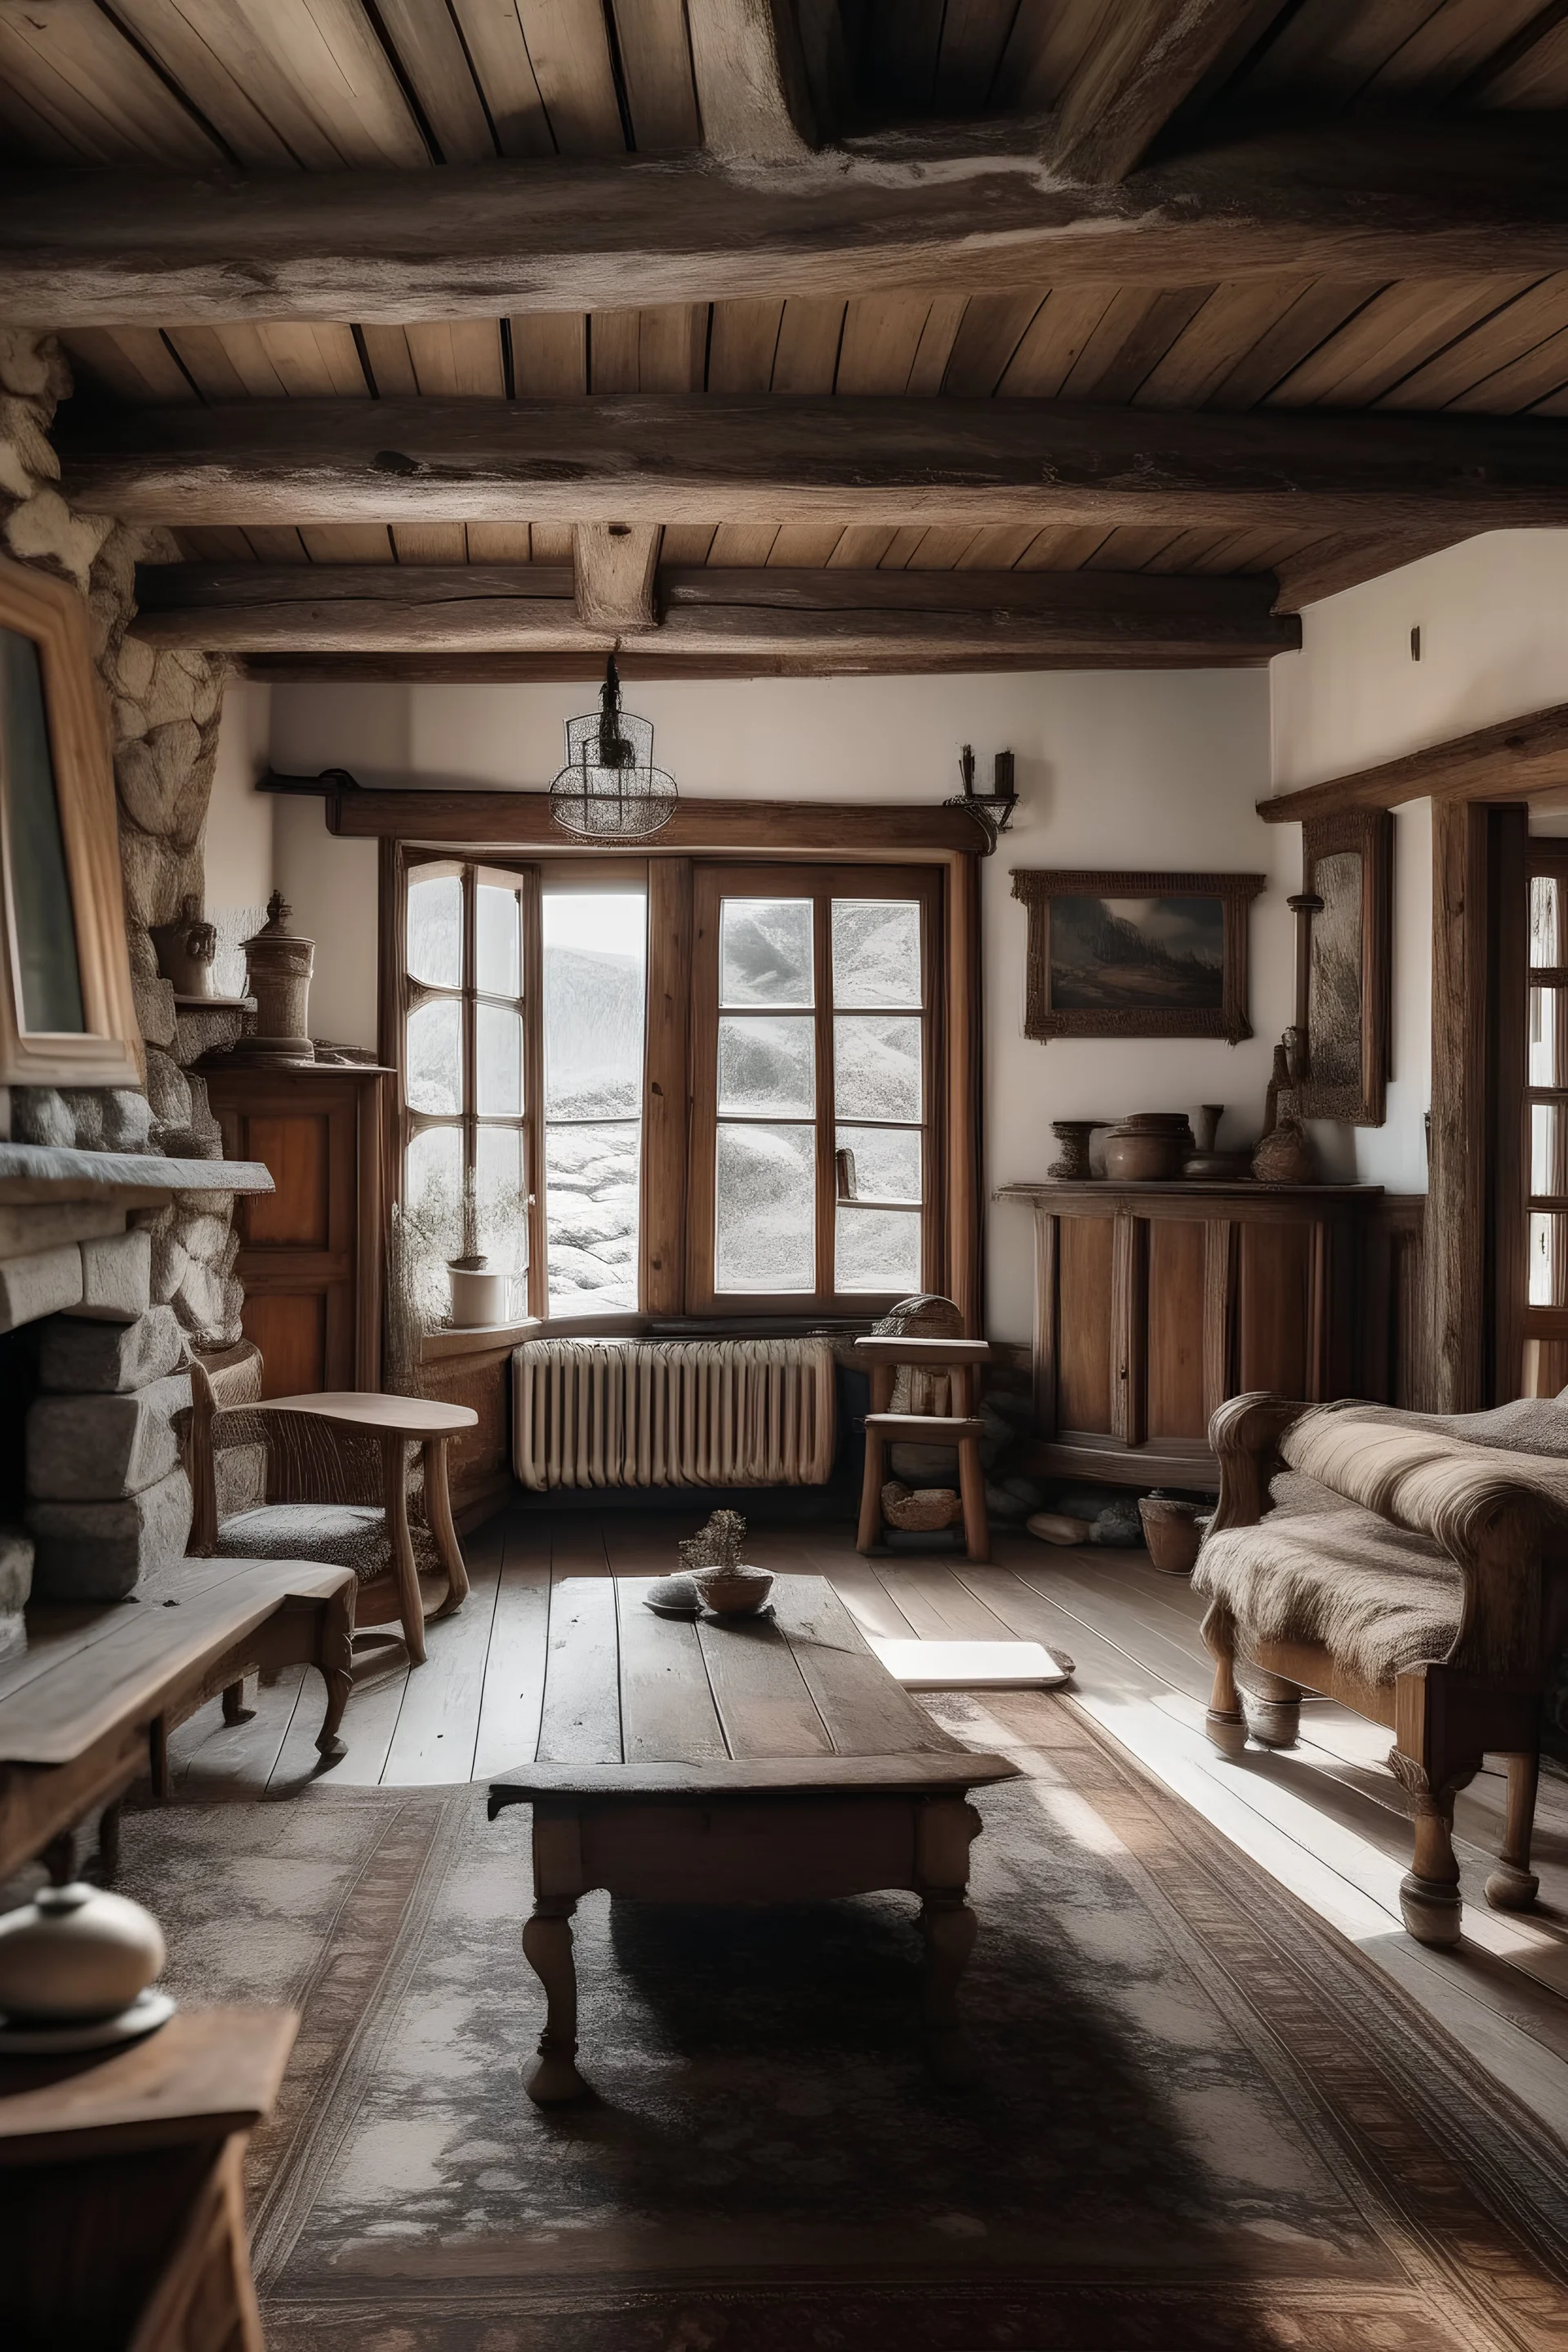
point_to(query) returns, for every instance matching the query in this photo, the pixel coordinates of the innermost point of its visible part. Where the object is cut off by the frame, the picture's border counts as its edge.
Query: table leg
(948, 1927)
(394, 1496)
(438, 1510)
(335, 1657)
(547, 1949)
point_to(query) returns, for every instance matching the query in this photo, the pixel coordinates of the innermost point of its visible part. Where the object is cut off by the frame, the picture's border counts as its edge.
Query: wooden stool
(963, 1429)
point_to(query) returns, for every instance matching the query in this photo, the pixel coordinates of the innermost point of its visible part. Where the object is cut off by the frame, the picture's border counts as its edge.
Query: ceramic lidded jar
(278, 968)
(76, 1954)
(1149, 1148)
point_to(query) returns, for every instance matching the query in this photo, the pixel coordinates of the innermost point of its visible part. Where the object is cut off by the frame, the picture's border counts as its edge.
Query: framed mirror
(67, 1015)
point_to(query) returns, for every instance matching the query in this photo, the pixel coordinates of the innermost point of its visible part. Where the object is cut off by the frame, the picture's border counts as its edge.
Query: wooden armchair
(1417, 1578)
(328, 1478)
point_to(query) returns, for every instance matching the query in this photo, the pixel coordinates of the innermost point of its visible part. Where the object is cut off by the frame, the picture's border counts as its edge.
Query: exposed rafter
(770, 458)
(1514, 761)
(613, 567)
(811, 621)
(751, 80)
(980, 206)
(1151, 54)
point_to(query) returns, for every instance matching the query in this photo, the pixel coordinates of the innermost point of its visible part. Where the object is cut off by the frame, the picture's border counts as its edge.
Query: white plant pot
(478, 1298)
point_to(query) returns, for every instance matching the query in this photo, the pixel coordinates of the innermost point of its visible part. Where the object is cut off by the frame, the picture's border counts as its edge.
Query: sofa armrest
(1244, 1434)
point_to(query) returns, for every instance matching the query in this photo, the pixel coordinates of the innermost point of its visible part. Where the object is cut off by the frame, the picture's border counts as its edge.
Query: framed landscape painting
(1136, 955)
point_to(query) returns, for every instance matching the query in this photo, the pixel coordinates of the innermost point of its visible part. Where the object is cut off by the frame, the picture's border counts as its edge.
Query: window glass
(42, 923)
(435, 928)
(498, 940)
(433, 1056)
(767, 1064)
(765, 951)
(876, 951)
(877, 1249)
(884, 1163)
(595, 967)
(876, 1066)
(498, 1060)
(433, 1182)
(765, 1201)
(1545, 933)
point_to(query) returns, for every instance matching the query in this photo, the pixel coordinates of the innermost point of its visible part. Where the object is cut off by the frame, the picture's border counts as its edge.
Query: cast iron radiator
(673, 1412)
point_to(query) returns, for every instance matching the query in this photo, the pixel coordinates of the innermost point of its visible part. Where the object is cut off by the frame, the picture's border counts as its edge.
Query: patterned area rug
(1203, 2119)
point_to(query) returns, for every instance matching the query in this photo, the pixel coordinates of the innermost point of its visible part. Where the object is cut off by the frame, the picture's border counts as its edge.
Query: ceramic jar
(479, 1295)
(1149, 1148)
(76, 1954)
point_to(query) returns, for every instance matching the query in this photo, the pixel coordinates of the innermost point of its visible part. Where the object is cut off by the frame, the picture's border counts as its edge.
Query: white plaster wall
(1493, 617)
(238, 851)
(1157, 770)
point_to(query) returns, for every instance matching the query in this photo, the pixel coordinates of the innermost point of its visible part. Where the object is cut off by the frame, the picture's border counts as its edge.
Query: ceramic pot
(76, 1954)
(1172, 1533)
(739, 1591)
(478, 1295)
(1148, 1149)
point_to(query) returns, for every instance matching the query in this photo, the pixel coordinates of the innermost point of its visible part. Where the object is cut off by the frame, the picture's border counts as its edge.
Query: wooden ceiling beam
(979, 205)
(1150, 57)
(749, 76)
(837, 622)
(1345, 560)
(654, 459)
(1514, 761)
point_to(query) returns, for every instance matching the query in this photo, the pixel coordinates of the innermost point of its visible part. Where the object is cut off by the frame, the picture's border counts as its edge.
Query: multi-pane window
(1546, 1093)
(465, 1004)
(812, 1174)
(595, 962)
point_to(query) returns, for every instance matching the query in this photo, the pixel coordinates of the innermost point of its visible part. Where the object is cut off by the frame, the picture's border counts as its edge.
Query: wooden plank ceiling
(313, 87)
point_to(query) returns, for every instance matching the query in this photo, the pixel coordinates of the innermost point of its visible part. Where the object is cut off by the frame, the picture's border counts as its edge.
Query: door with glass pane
(1545, 1369)
(814, 1173)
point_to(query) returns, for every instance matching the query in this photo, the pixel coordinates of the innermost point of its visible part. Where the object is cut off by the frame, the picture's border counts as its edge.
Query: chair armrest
(1245, 1434)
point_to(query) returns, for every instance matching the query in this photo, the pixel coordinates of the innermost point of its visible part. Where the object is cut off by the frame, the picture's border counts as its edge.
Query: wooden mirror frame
(108, 1051)
(1369, 834)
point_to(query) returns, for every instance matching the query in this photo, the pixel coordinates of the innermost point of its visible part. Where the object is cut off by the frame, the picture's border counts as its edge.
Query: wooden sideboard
(1156, 1302)
(310, 1252)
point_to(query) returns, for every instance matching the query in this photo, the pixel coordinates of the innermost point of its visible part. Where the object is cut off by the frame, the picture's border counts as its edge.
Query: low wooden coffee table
(761, 1760)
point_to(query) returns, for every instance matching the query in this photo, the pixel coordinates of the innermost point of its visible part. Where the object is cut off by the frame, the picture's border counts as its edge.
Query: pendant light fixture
(610, 789)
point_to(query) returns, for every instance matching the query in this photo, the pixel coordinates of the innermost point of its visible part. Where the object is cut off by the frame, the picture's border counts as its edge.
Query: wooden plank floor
(1326, 1818)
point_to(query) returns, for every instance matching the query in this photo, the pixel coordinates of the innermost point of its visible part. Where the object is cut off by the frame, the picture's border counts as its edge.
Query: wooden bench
(87, 1707)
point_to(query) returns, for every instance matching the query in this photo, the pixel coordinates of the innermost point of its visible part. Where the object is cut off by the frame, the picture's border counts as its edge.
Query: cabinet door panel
(1176, 1356)
(290, 1330)
(1084, 1335)
(1273, 1307)
(296, 1149)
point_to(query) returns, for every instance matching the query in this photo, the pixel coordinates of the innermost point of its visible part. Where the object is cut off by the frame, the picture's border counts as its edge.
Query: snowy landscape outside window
(595, 952)
(814, 1110)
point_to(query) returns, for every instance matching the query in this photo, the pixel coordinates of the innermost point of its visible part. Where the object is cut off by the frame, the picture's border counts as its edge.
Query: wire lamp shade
(610, 789)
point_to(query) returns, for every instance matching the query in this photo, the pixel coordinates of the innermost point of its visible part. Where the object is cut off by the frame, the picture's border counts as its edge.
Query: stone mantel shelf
(40, 1174)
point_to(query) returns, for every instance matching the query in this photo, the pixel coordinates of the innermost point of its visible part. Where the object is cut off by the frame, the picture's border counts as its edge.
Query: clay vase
(186, 951)
(1172, 1533)
(1149, 1148)
(1286, 1155)
(1208, 1164)
(76, 1954)
(739, 1591)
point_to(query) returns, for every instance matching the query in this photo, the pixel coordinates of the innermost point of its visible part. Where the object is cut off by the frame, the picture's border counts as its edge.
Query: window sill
(475, 1338)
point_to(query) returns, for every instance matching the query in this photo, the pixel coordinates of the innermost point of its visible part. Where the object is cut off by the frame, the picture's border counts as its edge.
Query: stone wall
(163, 712)
(107, 1499)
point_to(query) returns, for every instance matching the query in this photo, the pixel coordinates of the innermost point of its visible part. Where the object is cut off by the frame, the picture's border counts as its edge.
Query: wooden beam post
(751, 80)
(613, 568)
(1150, 56)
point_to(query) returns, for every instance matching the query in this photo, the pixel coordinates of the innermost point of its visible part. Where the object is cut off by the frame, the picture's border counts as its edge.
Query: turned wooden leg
(547, 1949)
(394, 1498)
(949, 1926)
(1429, 1900)
(1225, 1725)
(234, 1706)
(438, 1510)
(1273, 1707)
(335, 1656)
(1513, 1886)
(871, 1529)
(106, 1861)
(971, 1488)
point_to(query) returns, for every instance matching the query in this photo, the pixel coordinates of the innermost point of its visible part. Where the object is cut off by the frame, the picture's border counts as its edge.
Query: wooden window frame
(954, 1261)
(107, 1051)
(713, 882)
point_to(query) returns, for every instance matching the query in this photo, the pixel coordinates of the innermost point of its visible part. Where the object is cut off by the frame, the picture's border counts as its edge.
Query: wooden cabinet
(311, 1252)
(1156, 1302)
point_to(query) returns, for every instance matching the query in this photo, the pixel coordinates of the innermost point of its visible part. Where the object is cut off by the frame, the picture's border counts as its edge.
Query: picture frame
(67, 1017)
(1347, 862)
(1116, 954)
